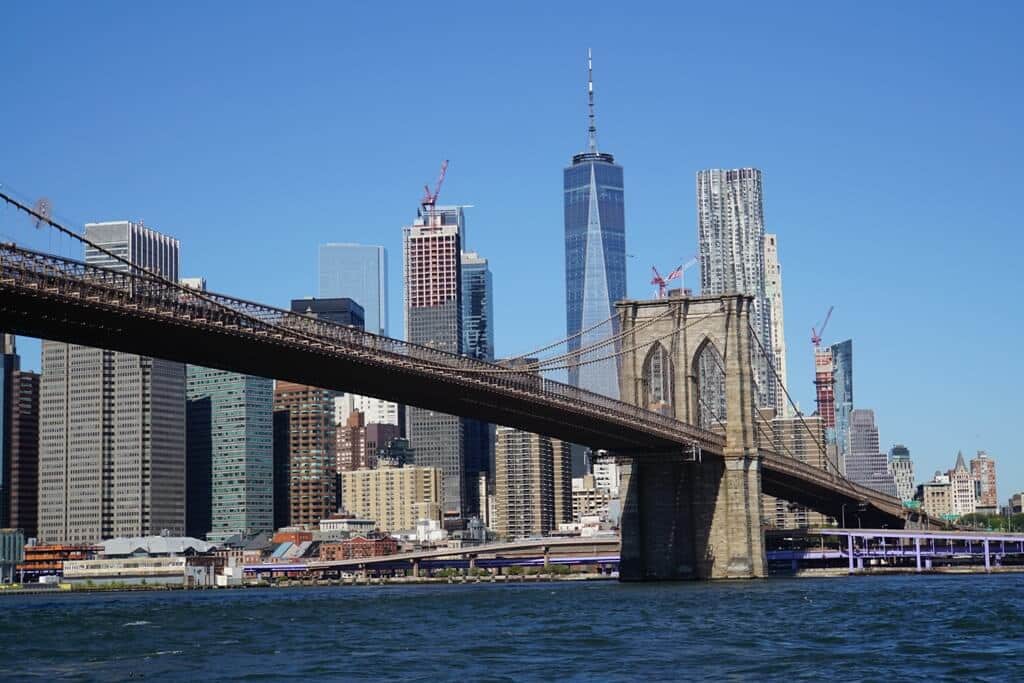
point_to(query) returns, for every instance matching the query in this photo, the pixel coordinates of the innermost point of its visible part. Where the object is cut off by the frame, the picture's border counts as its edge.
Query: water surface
(909, 627)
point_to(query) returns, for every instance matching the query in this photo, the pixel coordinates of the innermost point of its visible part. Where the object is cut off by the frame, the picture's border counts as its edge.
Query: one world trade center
(595, 261)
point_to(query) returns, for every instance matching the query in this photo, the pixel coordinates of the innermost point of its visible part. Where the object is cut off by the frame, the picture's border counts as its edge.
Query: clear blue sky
(889, 135)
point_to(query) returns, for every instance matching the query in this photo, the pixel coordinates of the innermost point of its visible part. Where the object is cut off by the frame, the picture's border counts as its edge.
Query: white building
(375, 410)
(730, 217)
(964, 500)
(773, 290)
(606, 477)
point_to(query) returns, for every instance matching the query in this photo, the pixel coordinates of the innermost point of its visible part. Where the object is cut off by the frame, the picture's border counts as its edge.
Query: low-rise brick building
(358, 547)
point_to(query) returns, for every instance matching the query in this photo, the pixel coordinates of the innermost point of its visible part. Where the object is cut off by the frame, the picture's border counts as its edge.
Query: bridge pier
(691, 520)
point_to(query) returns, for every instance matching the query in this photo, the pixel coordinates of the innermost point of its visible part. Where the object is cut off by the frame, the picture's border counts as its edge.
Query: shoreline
(834, 572)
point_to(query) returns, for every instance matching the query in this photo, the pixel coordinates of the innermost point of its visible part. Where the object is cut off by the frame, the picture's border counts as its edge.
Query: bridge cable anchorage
(821, 448)
(292, 327)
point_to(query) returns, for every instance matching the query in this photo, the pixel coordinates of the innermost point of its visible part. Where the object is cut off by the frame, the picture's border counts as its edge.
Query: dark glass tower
(595, 258)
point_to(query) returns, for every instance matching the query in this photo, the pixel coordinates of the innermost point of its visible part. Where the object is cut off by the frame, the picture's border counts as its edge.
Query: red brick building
(358, 547)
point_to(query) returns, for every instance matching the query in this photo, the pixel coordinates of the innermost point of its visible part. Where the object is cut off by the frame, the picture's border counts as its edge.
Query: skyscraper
(230, 454)
(432, 249)
(730, 232)
(902, 468)
(773, 290)
(477, 342)
(595, 257)
(359, 272)
(112, 424)
(311, 468)
(532, 483)
(19, 457)
(983, 471)
(865, 464)
(8, 366)
(842, 373)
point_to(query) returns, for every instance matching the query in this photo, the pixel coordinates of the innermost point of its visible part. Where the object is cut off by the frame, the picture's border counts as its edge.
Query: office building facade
(842, 391)
(532, 483)
(983, 471)
(865, 464)
(375, 410)
(902, 468)
(395, 497)
(112, 424)
(773, 291)
(19, 436)
(307, 423)
(358, 272)
(595, 259)
(230, 454)
(962, 488)
(432, 250)
(730, 235)
(342, 311)
(477, 342)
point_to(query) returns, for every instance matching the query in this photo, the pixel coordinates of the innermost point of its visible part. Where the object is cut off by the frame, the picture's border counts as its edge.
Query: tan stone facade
(686, 516)
(394, 497)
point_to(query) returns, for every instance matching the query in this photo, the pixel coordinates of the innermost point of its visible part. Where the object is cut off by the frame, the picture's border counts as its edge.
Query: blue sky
(889, 135)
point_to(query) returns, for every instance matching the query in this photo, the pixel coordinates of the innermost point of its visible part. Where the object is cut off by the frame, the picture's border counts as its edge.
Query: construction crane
(430, 198)
(816, 333)
(662, 282)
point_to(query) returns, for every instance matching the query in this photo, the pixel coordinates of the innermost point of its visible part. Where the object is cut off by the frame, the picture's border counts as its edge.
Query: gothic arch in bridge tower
(707, 385)
(658, 380)
(686, 516)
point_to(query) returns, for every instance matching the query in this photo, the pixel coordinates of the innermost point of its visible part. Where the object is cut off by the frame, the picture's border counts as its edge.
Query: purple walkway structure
(923, 546)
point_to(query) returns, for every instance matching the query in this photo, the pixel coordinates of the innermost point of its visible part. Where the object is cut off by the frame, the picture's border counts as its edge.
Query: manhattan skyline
(873, 159)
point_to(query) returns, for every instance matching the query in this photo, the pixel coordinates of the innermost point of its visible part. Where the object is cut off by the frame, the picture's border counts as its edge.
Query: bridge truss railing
(146, 292)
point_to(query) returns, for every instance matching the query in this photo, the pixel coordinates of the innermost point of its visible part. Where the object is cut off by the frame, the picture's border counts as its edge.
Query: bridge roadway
(600, 548)
(50, 297)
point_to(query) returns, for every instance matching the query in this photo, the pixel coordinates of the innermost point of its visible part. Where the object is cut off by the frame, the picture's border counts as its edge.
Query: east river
(861, 628)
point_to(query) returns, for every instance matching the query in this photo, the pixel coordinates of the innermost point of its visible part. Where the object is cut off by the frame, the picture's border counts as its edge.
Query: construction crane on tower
(662, 282)
(817, 332)
(430, 198)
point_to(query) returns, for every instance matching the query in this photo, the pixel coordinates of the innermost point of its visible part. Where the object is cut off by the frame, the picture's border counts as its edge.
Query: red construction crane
(816, 333)
(430, 198)
(662, 282)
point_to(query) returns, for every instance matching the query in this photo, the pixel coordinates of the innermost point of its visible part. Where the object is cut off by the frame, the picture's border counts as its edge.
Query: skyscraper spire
(592, 130)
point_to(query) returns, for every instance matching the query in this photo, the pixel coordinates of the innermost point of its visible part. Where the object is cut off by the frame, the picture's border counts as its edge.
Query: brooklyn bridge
(692, 493)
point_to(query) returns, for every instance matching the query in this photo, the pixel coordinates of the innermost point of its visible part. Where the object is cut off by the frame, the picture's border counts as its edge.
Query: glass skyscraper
(842, 374)
(230, 483)
(359, 272)
(477, 342)
(595, 259)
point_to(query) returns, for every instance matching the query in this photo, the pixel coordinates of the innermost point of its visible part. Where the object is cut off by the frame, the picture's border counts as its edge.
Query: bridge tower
(690, 515)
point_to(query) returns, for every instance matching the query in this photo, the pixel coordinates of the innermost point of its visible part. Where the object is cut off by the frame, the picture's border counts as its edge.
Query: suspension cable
(564, 341)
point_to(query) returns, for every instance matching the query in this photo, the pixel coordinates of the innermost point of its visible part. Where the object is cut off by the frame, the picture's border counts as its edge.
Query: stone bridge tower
(692, 515)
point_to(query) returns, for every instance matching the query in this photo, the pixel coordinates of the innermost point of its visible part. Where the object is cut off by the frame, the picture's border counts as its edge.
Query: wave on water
(136, 623)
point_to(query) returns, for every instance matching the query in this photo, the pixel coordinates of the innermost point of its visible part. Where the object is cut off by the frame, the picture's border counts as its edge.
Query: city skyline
(869, 306)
